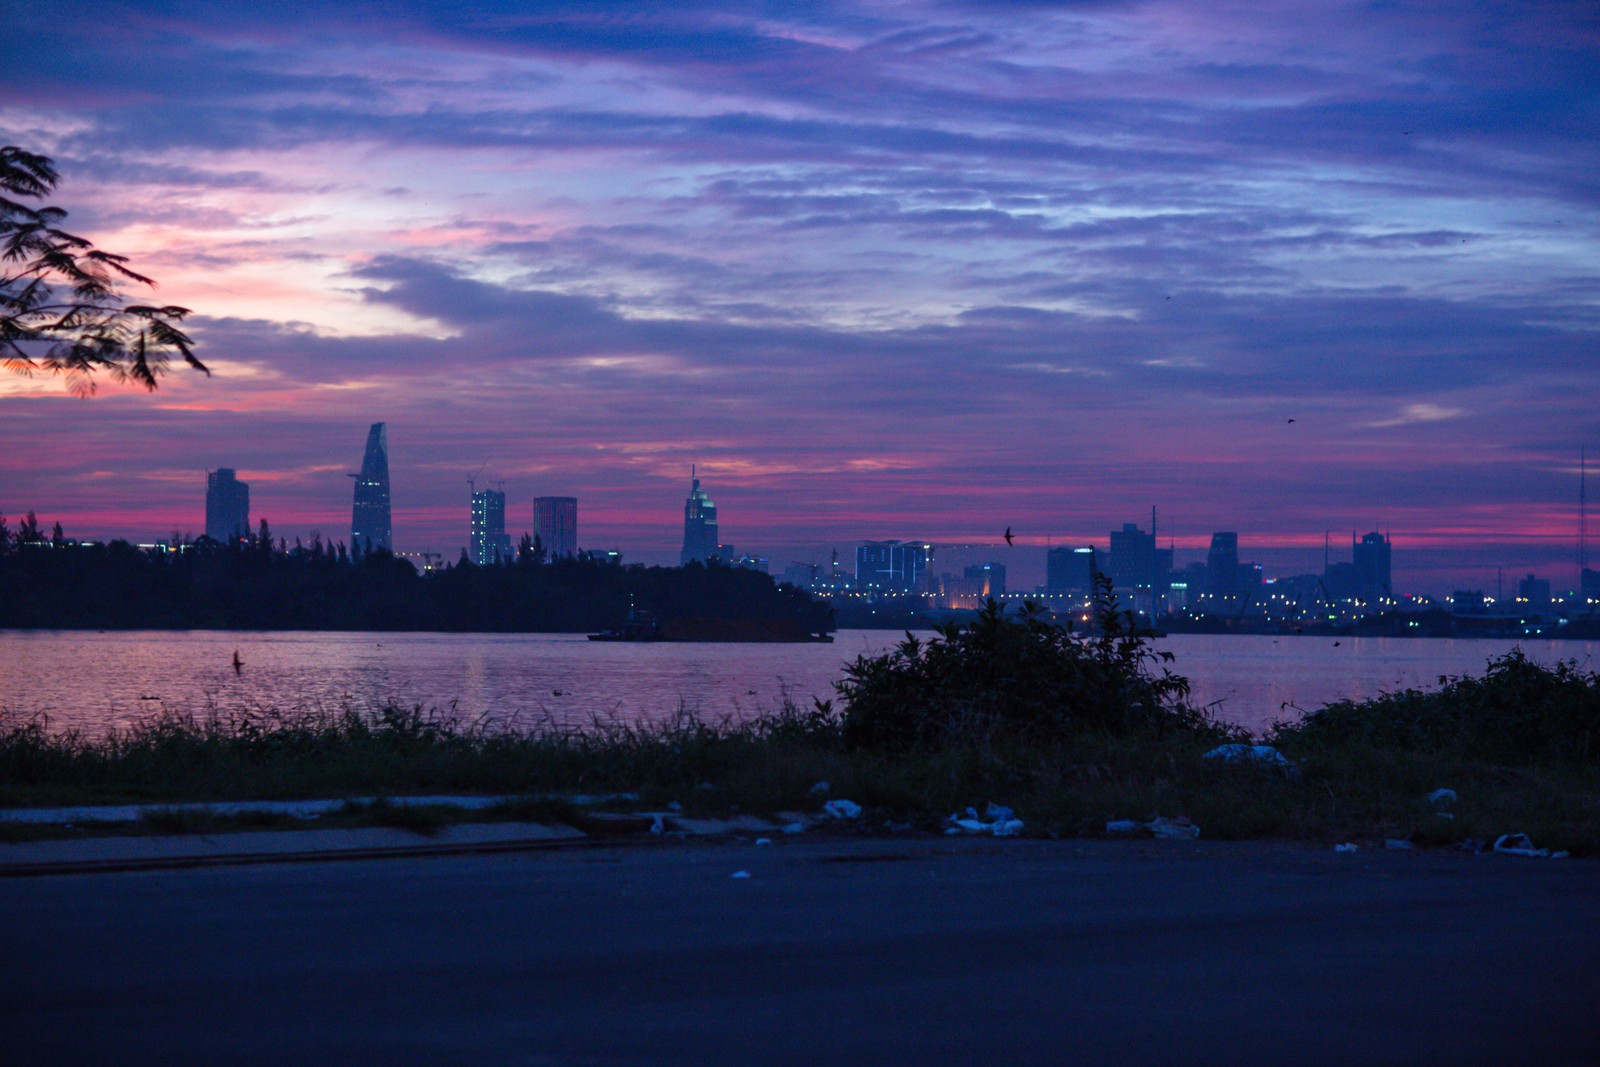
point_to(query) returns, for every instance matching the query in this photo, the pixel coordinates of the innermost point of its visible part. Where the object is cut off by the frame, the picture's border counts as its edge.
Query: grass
(1346, 788)
(1518, 745)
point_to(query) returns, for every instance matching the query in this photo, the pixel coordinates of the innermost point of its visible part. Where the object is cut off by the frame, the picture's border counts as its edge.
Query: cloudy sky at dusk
(882, 270)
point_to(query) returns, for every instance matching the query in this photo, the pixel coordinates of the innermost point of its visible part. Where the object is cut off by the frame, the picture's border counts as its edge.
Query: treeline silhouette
(255, 583)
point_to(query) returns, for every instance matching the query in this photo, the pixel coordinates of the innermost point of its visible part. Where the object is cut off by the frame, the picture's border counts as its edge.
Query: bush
(1519, 713)
(1018, 675)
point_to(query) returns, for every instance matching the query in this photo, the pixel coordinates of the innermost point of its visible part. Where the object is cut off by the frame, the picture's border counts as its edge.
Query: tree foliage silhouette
(61, 309)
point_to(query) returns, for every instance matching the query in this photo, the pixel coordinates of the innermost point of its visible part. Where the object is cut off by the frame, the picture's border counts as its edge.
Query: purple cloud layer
(914, 270)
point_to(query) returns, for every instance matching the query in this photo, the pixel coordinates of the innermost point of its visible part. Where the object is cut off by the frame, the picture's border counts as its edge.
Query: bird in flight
(1008, 537)
(1291, 420)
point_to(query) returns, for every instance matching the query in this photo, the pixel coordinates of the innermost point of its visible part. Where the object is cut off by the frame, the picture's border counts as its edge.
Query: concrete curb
(119, 854)
(99, 855)
(300, 809)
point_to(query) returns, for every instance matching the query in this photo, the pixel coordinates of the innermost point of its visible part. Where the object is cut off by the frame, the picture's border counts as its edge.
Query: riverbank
(1338, 790)
(1072, 734)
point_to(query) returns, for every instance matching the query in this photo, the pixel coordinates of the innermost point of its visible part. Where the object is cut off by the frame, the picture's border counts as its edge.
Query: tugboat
(638, 626)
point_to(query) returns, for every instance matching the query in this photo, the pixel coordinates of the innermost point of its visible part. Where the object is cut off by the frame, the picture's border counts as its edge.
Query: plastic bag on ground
(1001, 822)
(842, 809)
(1165, 829)
(1265, 755)
(1522, 845)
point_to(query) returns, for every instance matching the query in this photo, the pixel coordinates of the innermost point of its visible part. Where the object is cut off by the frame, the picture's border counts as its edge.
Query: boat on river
(638, 626)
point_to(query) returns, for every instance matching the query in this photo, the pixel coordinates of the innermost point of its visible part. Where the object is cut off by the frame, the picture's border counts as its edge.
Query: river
(94, 680)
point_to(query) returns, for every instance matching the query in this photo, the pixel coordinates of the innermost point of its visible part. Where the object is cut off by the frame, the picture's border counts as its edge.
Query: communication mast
(1583, 513)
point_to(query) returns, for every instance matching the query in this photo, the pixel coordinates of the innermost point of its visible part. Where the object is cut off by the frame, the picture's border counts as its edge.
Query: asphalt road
(832, 951)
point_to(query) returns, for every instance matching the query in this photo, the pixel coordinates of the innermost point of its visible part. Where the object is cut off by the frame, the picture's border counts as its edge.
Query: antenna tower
(1583, 513)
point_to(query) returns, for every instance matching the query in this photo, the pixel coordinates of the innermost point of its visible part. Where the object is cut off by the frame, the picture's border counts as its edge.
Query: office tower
(908, 565)
(893, 566)
(699, 524)
(1133, 554)
(1342, 581)
(1371, 558)
(1069, 570)
(872, 565)
(1533, 593)
(227, 505)
(369, 518)
(489, 543)
(989, 579)
(555, 523)
(1222, 565)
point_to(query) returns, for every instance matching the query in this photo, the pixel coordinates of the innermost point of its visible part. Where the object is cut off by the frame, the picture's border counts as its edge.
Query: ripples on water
(94, 680)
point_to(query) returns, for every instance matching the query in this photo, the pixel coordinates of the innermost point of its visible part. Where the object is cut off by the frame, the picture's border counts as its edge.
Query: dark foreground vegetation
(50, 582)
(1069, 730)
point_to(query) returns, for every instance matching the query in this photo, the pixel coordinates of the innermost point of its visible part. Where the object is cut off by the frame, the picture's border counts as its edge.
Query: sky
(881, 270)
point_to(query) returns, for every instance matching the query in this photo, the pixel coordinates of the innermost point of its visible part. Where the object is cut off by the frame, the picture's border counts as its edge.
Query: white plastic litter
(1442, 798)
(997, 820)
(1522, 845)
(739, 874)
(842, 809)
(1124, 826)
(763, 841)
(1348, 846)
(1180, 829)
(818, 790)
(1263, 754)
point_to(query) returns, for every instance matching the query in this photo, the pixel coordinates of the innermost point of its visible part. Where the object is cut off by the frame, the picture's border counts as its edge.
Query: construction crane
(472, 479)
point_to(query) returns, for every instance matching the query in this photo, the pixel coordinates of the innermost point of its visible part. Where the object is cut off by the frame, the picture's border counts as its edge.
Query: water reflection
(95, 680)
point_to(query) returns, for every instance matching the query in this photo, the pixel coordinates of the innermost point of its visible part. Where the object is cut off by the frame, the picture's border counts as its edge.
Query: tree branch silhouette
(61, 308)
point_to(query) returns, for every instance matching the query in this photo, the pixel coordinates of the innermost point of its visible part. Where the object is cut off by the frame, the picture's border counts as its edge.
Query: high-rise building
(988, 578)
(489, 543)
(699, 524)
(1069, 571)
(555, 523)
(893, 566)
(1222, 565)
(1533, 593)
(227, 505)
(1371, 558)
(1133, 559)
(872, 565)
(369, 519)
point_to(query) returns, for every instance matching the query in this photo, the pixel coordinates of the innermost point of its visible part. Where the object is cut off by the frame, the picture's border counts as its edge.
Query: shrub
(1018, 675)
(1518, 713)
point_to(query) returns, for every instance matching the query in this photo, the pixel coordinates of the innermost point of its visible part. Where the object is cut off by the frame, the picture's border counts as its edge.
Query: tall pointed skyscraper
(699, 524)
(369, 520)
